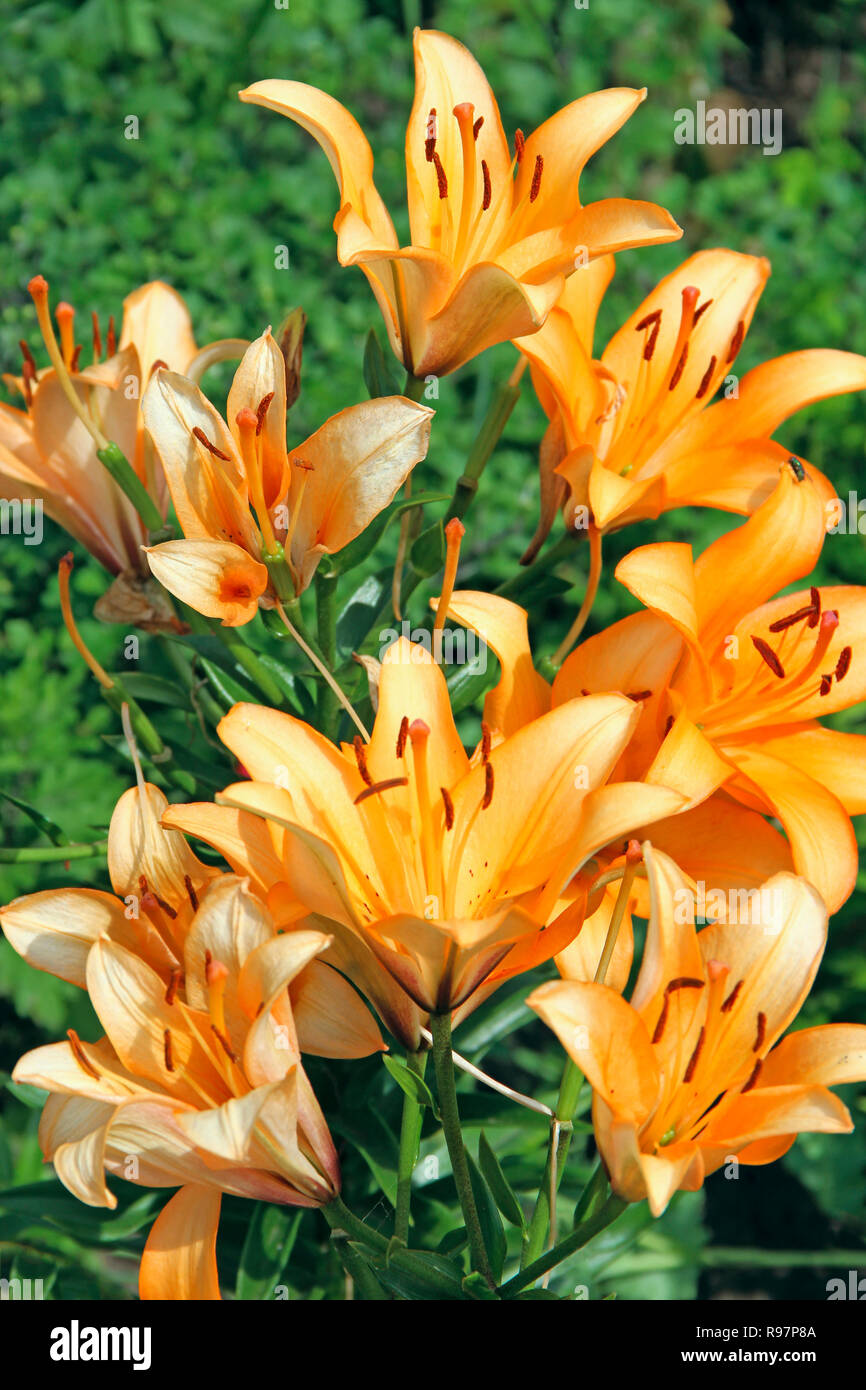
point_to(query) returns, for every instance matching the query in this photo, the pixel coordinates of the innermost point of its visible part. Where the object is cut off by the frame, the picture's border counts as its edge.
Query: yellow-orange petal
(179, 1258)
(216, 578)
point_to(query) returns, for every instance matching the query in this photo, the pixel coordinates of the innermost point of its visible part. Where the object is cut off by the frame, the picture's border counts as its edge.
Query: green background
(202, 199)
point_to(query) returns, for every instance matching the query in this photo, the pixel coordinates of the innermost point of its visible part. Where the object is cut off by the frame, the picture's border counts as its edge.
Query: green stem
(414, 387)
(504, 401)
(249, 661)
(562, 549)
(44, 854)
(566, 1105)
(117, 464)
(579, 1237)
(116, 697)
(410, 1138)
(440, 1027)
(327, 705)
(339, 1218)
(362, 1276)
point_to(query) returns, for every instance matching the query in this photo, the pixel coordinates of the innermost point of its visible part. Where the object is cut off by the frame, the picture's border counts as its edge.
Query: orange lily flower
(439, 875)
(489, 251)
(687, 1075)
(159, 887)
(308, 502)
(48, 453)
(742, 677)
(634, 434)
(206, 1011)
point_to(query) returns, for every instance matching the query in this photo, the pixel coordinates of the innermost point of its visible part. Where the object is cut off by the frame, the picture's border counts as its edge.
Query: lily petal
(179, 1259)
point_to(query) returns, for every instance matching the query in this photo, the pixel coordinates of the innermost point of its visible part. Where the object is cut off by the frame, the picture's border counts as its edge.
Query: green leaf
(500, 1188)
(410, 1082)
(362, 610)
(453, 1241)
(268, 1245)
(377, 371)
(419, 1274)
(476, 1286)
(54, 833)
(155, 689)
(468, 684)
(492, 1228)
(427, 552)
(41, 1203)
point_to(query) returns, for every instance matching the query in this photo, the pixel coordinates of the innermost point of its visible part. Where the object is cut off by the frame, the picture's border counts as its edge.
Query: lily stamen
(536, 178)
(736, 342)
(693, 1060)
(732, 997)
(191, 893)
(38, 288)
(766, 653)
(706, 378)
(488, 786)
(211, 448)
(80, 1055)
(430, 142)
(361, 760)
(173, 985)
(376, 787)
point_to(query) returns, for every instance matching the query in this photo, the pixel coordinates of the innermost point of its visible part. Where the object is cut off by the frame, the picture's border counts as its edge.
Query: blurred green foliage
(203, 197)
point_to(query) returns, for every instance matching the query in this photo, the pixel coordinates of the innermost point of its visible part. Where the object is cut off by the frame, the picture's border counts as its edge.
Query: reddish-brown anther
(536, 178)
(766, 653)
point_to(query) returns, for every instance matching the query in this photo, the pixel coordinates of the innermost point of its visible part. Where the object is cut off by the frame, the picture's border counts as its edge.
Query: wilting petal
(348, 472)
(216, 578)
(179, 1259)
